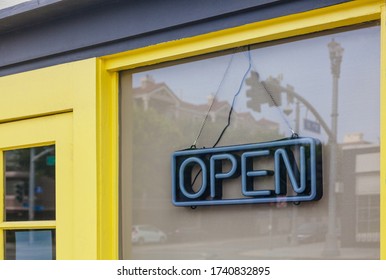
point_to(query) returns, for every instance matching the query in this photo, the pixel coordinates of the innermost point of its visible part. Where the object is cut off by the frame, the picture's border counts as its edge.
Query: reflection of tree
(153, 139)
(238, 133)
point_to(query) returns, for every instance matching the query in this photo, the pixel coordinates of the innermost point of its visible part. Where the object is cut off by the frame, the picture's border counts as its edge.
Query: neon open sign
(294, 170)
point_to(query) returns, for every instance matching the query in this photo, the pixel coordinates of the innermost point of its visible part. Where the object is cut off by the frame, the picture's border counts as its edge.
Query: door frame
(52, 130)
(71, 88)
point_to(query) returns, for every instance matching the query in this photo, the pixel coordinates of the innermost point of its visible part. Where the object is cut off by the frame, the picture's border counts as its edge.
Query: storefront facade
(95, 100)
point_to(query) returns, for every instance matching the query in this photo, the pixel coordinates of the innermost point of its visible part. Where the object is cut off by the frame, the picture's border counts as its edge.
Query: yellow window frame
(328, 18)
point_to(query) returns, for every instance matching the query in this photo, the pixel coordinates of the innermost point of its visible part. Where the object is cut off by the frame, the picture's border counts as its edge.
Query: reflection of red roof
(150, 87)
(217, 105)
(246, 116)
(265, 122)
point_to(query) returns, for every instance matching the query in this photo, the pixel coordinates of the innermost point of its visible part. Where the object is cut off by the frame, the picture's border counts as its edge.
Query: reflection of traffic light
(20, 193)
(255, 93)
(262, 92)
(273, 88)
(290, 94)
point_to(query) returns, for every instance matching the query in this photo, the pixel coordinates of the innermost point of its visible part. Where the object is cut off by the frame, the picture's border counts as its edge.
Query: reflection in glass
(30, 184)
(30, 244)
(163, 108)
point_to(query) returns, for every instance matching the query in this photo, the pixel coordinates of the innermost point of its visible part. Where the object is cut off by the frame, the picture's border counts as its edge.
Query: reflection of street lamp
(331, 246)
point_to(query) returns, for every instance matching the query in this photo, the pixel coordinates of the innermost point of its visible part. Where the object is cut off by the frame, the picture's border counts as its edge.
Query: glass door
(36, 171)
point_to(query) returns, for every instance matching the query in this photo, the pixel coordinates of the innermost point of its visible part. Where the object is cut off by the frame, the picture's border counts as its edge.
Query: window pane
(30, 244)
(30, 184)
(163, 108)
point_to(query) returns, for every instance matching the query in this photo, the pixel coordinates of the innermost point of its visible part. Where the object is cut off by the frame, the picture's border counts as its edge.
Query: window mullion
(28, 225)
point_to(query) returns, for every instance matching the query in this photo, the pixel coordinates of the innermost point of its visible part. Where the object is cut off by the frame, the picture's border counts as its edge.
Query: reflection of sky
(303, 64)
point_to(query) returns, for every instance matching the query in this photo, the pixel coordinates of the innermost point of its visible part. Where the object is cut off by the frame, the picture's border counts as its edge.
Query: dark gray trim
(27, 13)
(63, 31)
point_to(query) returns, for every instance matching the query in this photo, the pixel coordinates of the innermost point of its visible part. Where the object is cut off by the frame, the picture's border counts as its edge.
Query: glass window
(30, 184)
(29, 195)
(30, 244)
(324, 86)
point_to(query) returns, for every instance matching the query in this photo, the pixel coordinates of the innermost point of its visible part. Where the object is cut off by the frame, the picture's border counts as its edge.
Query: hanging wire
(233, 103)
(251, 65)
(214, 99)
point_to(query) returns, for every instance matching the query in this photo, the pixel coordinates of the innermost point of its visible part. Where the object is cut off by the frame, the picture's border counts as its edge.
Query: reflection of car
(311, 232)
(141, 234)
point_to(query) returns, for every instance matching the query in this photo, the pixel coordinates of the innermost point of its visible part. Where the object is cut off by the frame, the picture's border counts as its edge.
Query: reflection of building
(360, 190)
(267, 124)
(160, 97)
